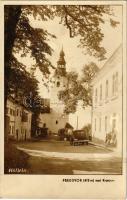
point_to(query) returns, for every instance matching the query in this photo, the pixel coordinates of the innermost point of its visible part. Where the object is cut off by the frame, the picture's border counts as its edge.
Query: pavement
(103, 146)
(69, 156)
(59, 157)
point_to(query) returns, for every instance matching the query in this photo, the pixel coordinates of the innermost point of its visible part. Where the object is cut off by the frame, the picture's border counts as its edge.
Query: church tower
(59, 78)
(61, 64)
(59, 82)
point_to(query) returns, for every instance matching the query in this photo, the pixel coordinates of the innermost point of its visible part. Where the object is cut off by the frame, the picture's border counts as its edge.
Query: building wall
(81, 118)
(59, 83)
(56, 119)
(18, 129)
(107, 99)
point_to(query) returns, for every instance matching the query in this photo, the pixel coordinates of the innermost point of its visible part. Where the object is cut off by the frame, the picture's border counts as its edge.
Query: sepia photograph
(63, 89)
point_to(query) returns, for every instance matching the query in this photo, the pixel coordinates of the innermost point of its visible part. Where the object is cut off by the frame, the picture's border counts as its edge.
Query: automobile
(79, 137)
(61, 133)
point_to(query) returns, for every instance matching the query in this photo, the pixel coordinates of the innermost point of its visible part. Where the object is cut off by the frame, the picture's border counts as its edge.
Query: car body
(79, 137)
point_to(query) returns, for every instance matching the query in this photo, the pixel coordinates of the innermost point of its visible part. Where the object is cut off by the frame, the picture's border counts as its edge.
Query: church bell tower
(59, 78)
(61, 64)
(59, 83)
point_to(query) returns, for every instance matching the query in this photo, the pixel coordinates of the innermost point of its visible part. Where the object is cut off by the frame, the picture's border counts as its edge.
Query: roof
(108, 64)
(61, 60)
(68, 126)
(14, 101)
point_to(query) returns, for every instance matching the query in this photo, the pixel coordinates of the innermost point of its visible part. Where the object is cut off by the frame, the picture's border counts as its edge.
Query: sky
(74, 56)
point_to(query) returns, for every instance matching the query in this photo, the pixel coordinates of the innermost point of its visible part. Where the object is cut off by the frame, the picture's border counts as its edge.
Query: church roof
(68, 126)
(61, 60)
(62, 52)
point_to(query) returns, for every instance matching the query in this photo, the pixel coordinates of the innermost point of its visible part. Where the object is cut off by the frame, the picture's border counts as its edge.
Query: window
(106, 123)
(96, 95)
(100, 92)
(56, 122)
(7, 110)
(113, 124)
(13, 111)
(44, 125)
(24, 116)
(100, 125)
(10, 111)
(17, 133)
(115, 83)
(58, 84)
(106, 90)
(10, 130)
(17, 112)
(95, 124)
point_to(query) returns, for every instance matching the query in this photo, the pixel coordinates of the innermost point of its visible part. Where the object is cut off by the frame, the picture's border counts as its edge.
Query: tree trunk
(11, 18)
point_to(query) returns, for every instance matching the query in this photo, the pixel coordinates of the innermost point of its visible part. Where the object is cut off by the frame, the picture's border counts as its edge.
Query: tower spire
(61, 63)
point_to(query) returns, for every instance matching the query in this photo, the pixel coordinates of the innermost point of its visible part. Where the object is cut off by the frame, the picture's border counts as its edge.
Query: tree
(20, 36)
(89, 71)
(78, 89)
(70, 95)
(81, 20)
(27, 96)
(85, 21)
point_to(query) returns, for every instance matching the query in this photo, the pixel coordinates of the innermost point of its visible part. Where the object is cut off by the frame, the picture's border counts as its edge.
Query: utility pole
(77, 122)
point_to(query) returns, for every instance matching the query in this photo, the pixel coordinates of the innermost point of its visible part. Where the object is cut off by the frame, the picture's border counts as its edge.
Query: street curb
(104, 147)
(99, 145)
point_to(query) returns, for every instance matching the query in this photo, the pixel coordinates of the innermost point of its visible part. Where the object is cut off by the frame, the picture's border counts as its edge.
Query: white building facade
(19, 121)
(107, 102)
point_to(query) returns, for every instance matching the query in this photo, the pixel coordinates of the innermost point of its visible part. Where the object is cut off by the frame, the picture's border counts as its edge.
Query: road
(53, 157)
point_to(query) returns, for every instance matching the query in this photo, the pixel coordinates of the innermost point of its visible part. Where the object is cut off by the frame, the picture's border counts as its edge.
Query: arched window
(58, 84)
(44, 125)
